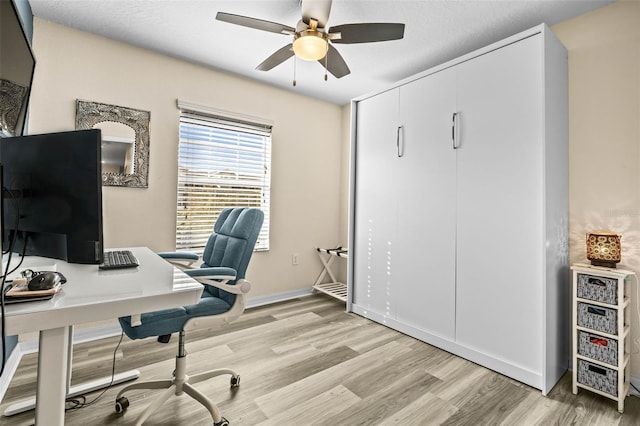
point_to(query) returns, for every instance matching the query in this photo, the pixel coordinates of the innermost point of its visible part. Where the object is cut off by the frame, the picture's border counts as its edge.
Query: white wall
(306, 155)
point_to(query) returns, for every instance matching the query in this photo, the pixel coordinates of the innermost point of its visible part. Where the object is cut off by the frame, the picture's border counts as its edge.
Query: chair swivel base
(179, 384)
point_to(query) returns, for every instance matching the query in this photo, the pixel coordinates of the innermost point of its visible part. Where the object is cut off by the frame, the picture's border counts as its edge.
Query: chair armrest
(218, 277)
(180, 259)
(213, 270)
(216, 321)
(179, 255)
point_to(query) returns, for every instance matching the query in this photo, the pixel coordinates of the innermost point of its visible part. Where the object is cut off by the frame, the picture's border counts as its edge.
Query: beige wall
(306, 154)
(345, 167)
(604, 133)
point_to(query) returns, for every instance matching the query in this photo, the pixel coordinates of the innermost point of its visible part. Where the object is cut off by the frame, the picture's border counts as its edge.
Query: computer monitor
(52, 195)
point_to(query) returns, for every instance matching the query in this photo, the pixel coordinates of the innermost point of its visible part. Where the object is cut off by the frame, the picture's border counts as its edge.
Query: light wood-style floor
(307, 362)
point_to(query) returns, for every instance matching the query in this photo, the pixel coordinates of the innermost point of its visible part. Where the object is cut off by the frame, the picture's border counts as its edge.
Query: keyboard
(118, 259)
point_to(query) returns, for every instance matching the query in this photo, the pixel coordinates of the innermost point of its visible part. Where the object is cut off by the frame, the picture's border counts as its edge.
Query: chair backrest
(231, 245)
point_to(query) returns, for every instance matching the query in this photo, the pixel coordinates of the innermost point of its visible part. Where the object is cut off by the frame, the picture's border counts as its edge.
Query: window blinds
(222, 163)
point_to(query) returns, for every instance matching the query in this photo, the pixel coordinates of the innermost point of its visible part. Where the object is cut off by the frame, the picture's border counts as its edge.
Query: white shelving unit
(334, 288)
(601, 331)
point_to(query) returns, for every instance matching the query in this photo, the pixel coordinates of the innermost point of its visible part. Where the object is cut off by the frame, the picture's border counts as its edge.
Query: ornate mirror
(16, 71)
(125, 141)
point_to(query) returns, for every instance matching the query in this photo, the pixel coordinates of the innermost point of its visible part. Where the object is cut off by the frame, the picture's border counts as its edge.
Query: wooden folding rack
(334, 288)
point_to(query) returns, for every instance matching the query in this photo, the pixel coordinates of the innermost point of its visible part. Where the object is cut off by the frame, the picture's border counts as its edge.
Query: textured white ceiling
(436, 31)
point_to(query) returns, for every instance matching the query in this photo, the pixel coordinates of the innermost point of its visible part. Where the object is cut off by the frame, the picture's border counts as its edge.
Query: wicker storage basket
(602, 378)
(598, 347)
(600, 289)
(598, 318)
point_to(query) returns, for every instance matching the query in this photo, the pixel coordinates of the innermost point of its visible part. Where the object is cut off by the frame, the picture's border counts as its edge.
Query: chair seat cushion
(171, 321)
(155, 323)
(208, 305)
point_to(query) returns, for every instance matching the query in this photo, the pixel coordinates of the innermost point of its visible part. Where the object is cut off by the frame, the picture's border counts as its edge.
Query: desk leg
(52, 376)
(69, 361)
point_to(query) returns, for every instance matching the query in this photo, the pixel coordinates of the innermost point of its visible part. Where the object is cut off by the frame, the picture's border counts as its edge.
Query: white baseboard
(254, 302)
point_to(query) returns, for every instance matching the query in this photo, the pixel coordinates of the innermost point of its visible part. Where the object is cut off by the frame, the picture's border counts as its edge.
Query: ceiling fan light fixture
(310, 45)
(311, 39)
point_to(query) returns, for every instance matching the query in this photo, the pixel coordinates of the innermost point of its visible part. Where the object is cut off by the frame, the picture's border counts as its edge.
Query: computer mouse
(45, 281)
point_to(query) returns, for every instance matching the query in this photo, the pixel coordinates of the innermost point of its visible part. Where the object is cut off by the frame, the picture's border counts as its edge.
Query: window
(222, 162)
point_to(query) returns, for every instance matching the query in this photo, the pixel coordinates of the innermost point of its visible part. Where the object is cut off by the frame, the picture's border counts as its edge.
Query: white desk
(91, 295)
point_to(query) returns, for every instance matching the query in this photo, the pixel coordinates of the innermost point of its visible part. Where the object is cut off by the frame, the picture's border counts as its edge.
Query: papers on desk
(21, 293)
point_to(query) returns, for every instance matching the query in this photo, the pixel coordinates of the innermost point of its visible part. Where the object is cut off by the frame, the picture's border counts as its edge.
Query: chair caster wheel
(122, 404)
(235, 381)
(222, 422)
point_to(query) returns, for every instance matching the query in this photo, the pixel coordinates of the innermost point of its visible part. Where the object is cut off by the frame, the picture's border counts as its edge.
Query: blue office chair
(225, 260)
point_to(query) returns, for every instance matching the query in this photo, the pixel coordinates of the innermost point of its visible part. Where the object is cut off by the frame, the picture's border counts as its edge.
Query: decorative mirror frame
(88, 114)
(12, 98)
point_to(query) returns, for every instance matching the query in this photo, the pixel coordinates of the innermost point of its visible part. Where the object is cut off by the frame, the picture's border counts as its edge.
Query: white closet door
(425, 252)
(500, 239)
(376, 203)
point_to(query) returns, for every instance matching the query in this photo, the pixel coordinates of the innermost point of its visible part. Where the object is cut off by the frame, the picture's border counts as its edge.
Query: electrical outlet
(294, 259)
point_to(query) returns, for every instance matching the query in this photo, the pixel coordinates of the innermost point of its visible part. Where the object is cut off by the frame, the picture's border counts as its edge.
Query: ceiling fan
(312, 40)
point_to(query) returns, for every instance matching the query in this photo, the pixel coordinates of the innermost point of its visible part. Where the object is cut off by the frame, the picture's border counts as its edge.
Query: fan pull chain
(295, 61)
(326, 62)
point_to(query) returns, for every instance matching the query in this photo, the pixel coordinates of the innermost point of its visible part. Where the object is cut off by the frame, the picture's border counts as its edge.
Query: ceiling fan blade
(317, 10)
(277, 58)
(335, 64)
(258, 24)
(366, 33)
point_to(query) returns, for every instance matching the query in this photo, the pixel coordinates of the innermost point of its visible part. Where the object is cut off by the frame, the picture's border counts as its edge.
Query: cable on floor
(78, 402)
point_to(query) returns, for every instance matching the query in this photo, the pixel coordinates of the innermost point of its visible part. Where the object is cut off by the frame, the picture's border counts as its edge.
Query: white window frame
(246, 155)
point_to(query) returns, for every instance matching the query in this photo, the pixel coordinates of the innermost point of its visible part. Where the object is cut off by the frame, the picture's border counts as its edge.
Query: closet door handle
(400, 141)
(454, 130)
